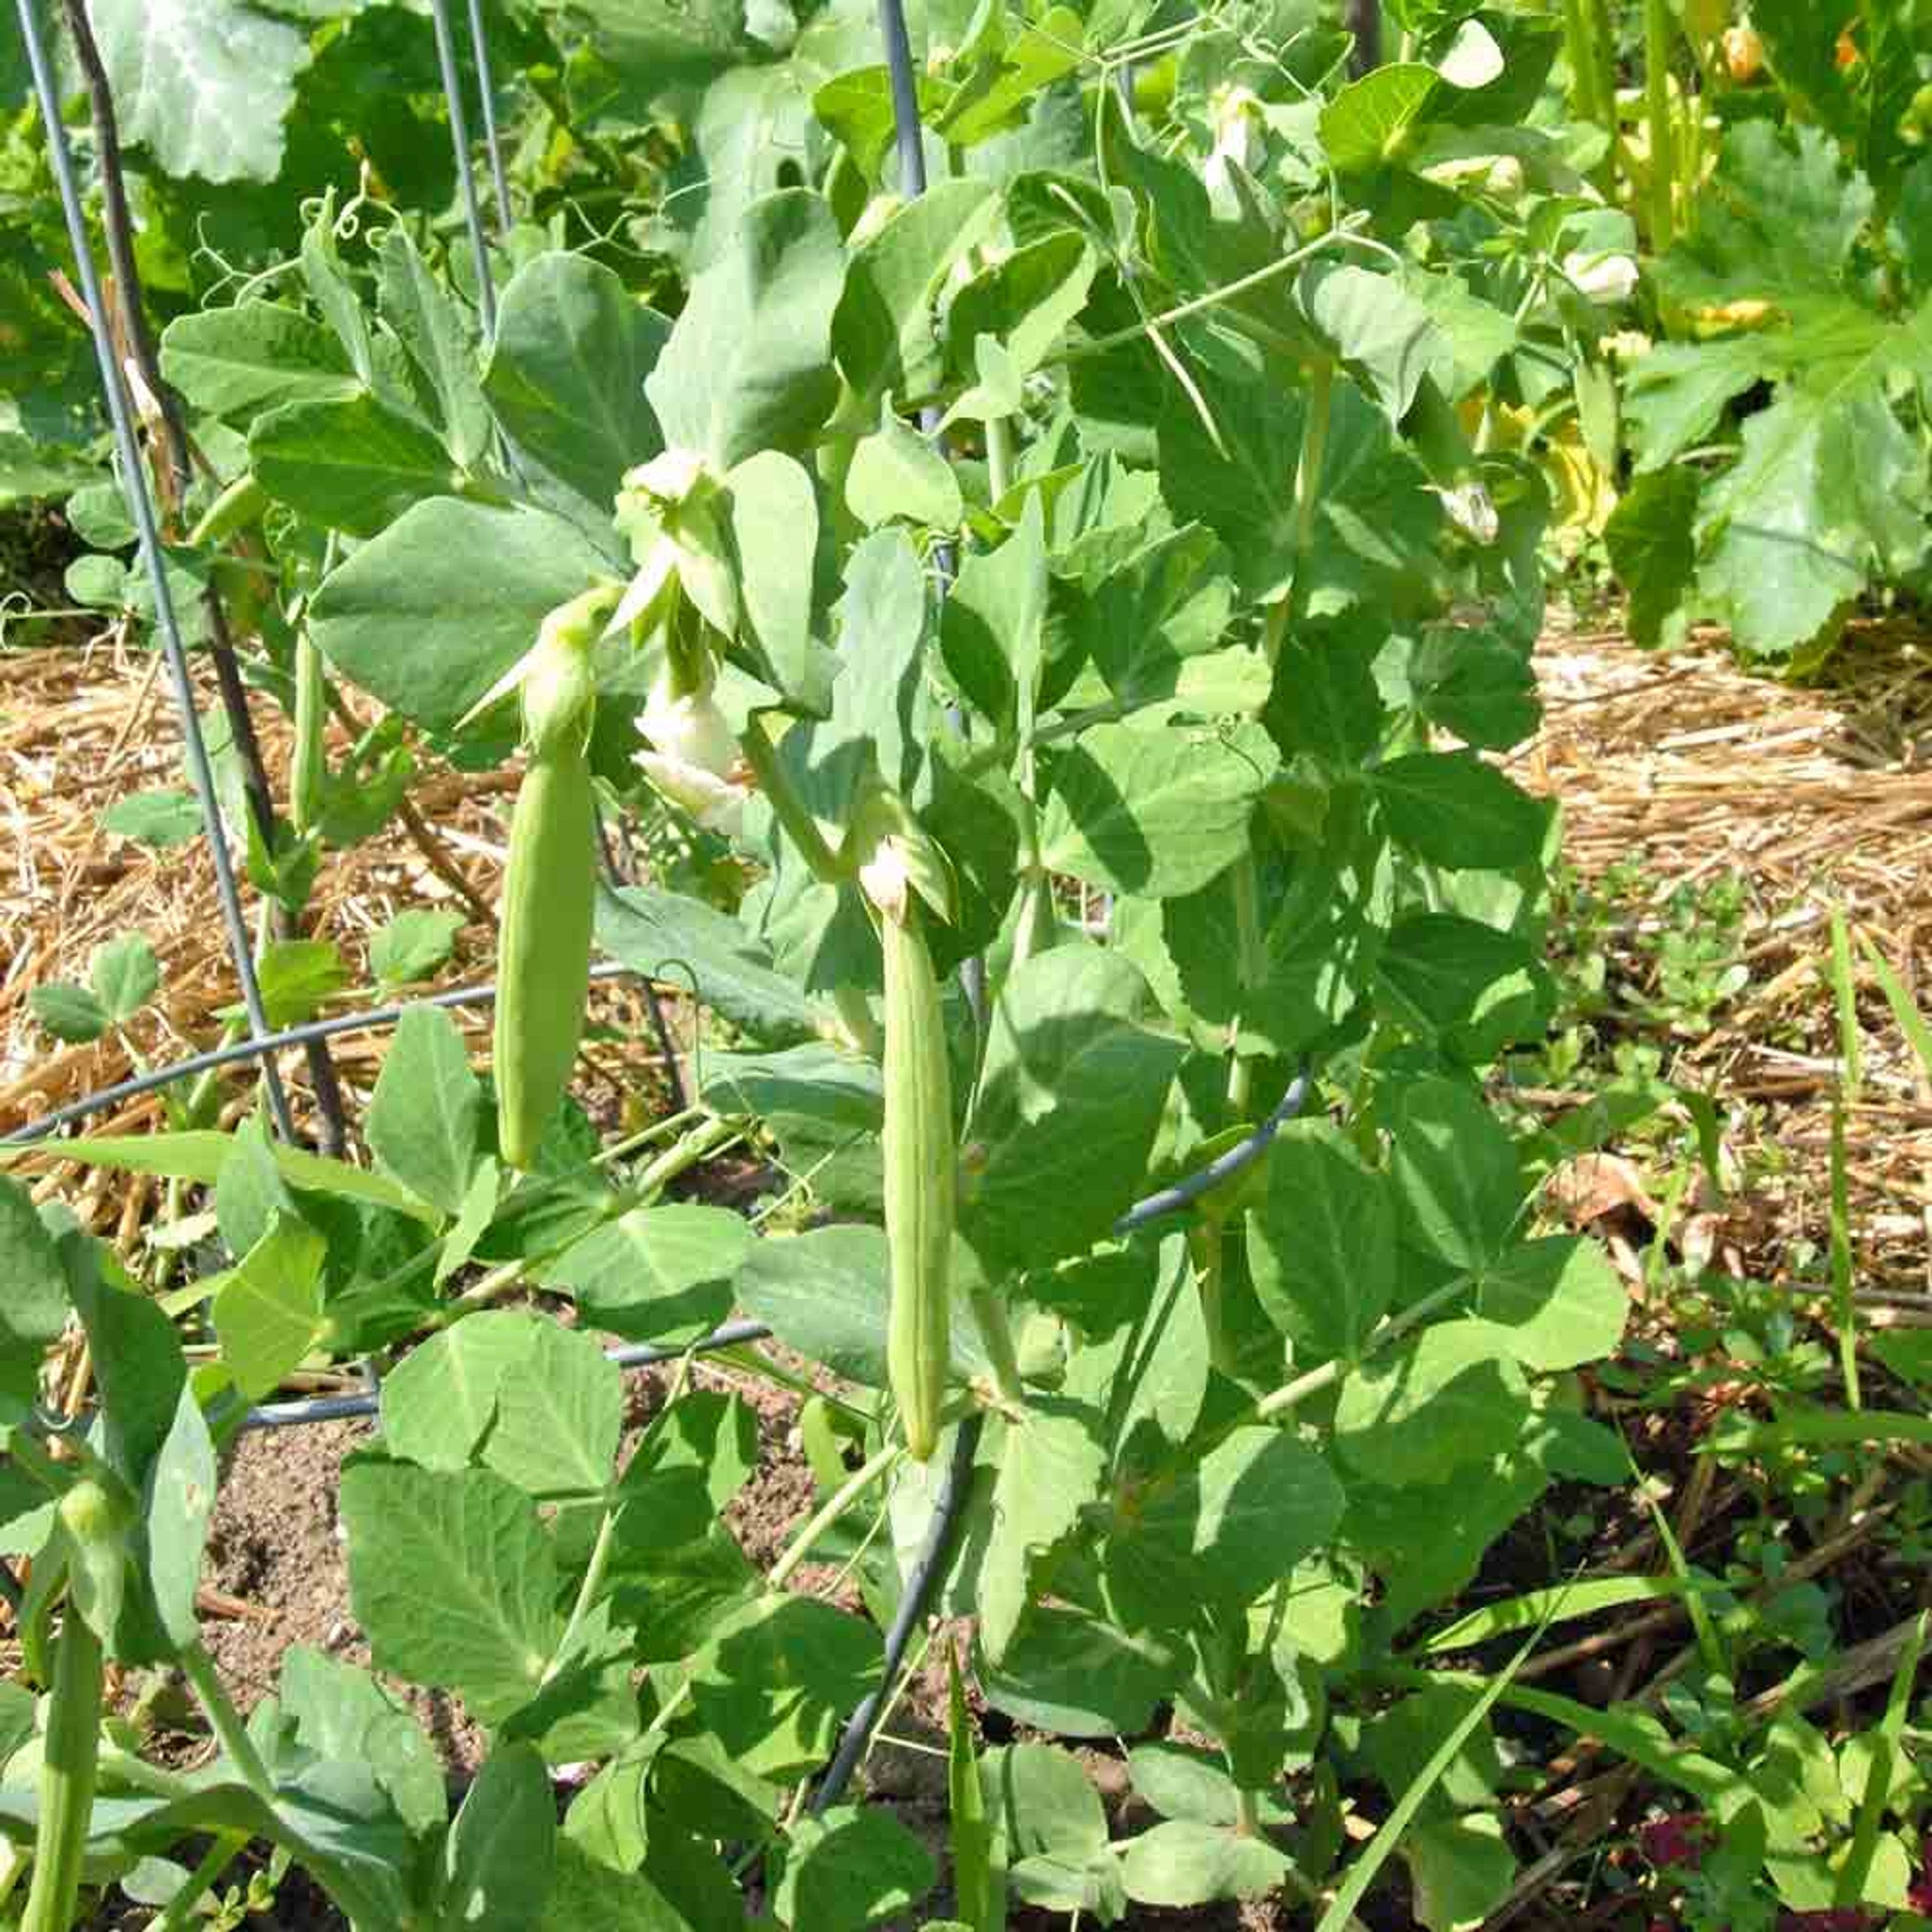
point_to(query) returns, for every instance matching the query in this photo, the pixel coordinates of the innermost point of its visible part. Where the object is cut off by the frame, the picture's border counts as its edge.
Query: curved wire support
(479, 47)
(638, 1354)
(1244, 1154)
(134, 485)
(373, 1019)
(472, 212)
(928, 1572)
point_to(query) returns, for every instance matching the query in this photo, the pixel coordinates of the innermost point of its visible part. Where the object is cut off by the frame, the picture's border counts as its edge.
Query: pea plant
(1068, 586)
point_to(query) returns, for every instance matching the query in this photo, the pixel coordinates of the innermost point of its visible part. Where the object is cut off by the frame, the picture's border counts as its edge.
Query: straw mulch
(81, 726)
(1816, 797)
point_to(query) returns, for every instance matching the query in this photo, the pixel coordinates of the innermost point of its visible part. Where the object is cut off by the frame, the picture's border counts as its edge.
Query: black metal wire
(479, 48)
(134, 482)
(636, 1355)
(928, 1572)
(372, 1018)
(473, 214)
(1243, 1154)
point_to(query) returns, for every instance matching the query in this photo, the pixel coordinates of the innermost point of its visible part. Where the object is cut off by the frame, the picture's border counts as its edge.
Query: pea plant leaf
(470, 1544)
(429, 615)
(206, 88)
(567, 369)
(748, 365)
(1069, 1102)
(426, 1116)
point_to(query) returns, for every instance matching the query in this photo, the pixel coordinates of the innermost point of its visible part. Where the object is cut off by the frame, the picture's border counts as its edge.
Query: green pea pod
(67, 1774)
(543, 954)
(309, 767)
(921, 1164)
(550, 884)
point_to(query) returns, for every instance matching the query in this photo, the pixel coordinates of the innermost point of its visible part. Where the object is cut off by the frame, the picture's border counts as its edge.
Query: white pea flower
(1607, 277)
(694, 761)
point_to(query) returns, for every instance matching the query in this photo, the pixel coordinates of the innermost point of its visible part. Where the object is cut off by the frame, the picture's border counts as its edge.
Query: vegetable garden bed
(1061, 1166)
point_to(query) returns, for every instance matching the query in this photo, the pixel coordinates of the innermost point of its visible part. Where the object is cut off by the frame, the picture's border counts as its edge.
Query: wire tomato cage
(260, 1044)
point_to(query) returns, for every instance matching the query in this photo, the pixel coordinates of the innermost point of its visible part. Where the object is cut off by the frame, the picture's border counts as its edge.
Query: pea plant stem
(874, 1469)
(996, 1332)
(67, 1778)
(1663, 137)
(232, 1735)
(792, 814)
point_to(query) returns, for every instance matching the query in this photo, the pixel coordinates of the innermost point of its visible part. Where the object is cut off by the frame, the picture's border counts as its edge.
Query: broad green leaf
(204, 85)
(1025, 302)
(1070, 1099)
(433, 612)
(1185, 1781)
(162, 819)
(655, 45)
(882, 332)
(748, 365)
(139, 1368)
(1460, 812)
(440, 1400)
(567, 368)
(1051, 1467)
(502, 1846)
(657, 1274)
(437, 335)
(251, 1192)
(1079, 1676)
(824, 1293)
(1321, 1249)
(992, 629)
(1000, 85)
(774, 526)
(124, 974)
(1364, 126)
(852, 1866)
(34, 1309)
(560, 1411)
(1465, 986)
(1675, 394)
(665, 936)
(1369, 322)
(713, 1433)
(1154, 812)
(256, 355)
(413, 945)
(340, 1711)
(352, 465)
(1477, 685)
(1821, 498)
(895, 473)
(178, 1505)
(1423, 1410)
(1653, 551)
(425, 1120)
(269, 1312)
(1144, 620)
(1398, 1745)
(777, 1678)
(1182, 1862)
(1557, 1302)
(70, 1013)
(1427, 1540)
(1457, 1182)
(585, 1892)
(1221, 1530)
(453, 1577)
(881, 716)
